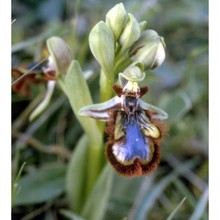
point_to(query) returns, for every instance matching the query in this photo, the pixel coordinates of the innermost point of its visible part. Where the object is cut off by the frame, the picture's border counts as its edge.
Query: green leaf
(96, 204)
(79, 96)
(76, 176)
(101, 42)
(41, 185)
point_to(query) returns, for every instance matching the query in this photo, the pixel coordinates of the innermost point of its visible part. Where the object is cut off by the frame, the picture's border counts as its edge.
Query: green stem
(118, 49)
(105, 87)
(121, 64)
(45, 102)
(94, 165)
(122, 60)
(121, 53)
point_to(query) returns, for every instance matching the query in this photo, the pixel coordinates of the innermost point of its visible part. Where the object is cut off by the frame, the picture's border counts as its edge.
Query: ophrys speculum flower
(134, 130)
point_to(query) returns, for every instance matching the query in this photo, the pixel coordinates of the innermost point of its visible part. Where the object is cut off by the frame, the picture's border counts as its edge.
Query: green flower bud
(148, 50)
(101, 42)
(59, 57)
(116, 19)
(131, 33)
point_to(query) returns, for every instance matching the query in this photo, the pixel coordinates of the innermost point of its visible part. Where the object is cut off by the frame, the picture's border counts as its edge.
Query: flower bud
(131, 33)
(59, 57)
(148, 50)
(116, 19)
(101, 42)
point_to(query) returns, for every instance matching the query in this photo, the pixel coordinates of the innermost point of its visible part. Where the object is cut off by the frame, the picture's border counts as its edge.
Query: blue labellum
(133, 145)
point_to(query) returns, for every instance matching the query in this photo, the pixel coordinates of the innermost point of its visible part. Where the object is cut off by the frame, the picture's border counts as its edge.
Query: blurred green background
(179, 86)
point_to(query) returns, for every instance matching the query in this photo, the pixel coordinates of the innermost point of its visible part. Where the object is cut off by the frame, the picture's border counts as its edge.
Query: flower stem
(94, 165)
(105, 87)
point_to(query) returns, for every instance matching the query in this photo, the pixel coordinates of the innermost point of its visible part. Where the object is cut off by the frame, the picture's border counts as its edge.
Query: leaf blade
(41, 185)
(96, 204)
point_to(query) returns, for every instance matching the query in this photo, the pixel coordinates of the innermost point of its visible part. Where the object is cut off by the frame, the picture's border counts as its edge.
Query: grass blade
(176, 209)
